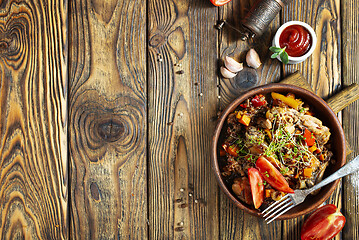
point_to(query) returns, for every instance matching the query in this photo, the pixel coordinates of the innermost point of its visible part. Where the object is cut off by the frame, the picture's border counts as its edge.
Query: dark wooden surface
(108, 107)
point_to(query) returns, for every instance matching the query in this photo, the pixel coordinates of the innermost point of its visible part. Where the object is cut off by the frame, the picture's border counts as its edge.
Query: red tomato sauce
(296, 39)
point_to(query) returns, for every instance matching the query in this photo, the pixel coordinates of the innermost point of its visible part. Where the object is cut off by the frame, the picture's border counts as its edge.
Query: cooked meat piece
(232, 120)
(242, 189)
(321, 133)
(232, 167)
(264, 123)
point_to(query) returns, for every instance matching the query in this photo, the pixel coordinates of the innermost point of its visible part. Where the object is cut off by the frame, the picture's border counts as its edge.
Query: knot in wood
(95, 192)
(157, 40)
(5, 44)
(14, 37)
(111, 130)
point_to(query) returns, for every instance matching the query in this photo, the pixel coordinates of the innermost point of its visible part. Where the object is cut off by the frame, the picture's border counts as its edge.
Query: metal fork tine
(275, 205)
(284, 211)
(278, 210)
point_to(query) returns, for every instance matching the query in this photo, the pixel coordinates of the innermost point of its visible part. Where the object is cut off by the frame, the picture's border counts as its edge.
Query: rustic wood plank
(322, 69)
(183, 193)
(234, 223)
(107, 115)
(344, 98)
(350, 35)
(33, 126)
(297, 79)
(231, 45)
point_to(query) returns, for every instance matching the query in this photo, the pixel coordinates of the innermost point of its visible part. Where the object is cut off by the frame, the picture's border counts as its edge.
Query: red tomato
(258, 101)
(323, 224)
(257, 187)
(272, 175)
(309, 137)
(220, 2)
(243, 105)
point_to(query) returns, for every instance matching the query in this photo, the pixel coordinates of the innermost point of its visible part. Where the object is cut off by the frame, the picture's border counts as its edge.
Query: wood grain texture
(107, 118)
(183, 200)
(231, 45)
(234, 223)
(297, 79)
(33, 126)
(322, 69)
(350, 35)
(344, 98)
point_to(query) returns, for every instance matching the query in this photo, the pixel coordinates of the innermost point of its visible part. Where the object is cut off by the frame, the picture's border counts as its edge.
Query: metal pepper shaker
(261, 15)
(258, 18)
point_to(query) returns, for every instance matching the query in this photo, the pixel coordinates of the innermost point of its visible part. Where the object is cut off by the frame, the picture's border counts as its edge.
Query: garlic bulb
(232, 65)
(252, 59)
(226, 73)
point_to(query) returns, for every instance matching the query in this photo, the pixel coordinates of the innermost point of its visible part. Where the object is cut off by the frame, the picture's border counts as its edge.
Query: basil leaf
(275, 49)
(274, 55)
(284, 57)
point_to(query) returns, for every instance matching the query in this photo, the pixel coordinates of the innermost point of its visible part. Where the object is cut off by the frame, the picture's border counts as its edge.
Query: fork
(291, 200)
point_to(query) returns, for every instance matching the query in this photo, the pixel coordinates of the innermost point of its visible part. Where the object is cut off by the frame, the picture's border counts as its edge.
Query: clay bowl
(321, 111)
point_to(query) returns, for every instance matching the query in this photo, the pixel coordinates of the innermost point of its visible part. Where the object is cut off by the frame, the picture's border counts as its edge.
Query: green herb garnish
(281, 53)
(285, 170)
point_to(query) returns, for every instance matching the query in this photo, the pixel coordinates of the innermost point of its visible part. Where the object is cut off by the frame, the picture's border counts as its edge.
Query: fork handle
(350, 167)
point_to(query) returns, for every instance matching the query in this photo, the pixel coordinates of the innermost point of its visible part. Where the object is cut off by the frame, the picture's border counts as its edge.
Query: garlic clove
(232, 65)
(226, 73)
(253, 59)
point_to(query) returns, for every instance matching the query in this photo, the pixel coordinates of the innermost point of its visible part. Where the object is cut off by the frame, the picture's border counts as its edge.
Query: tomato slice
(220, 2)
(272, 175)
(257, 187)
(323, 224)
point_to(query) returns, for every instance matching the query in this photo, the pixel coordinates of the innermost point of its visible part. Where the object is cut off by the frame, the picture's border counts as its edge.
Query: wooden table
(108, 109)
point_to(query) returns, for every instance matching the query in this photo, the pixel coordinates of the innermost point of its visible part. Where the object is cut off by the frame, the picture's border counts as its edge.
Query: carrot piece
(313, 148)
(318, 150)
(321, 157)
(309, 137)
(307, 172)
(268, 193)
(291, 102)
(245, 120)
(232, 150)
